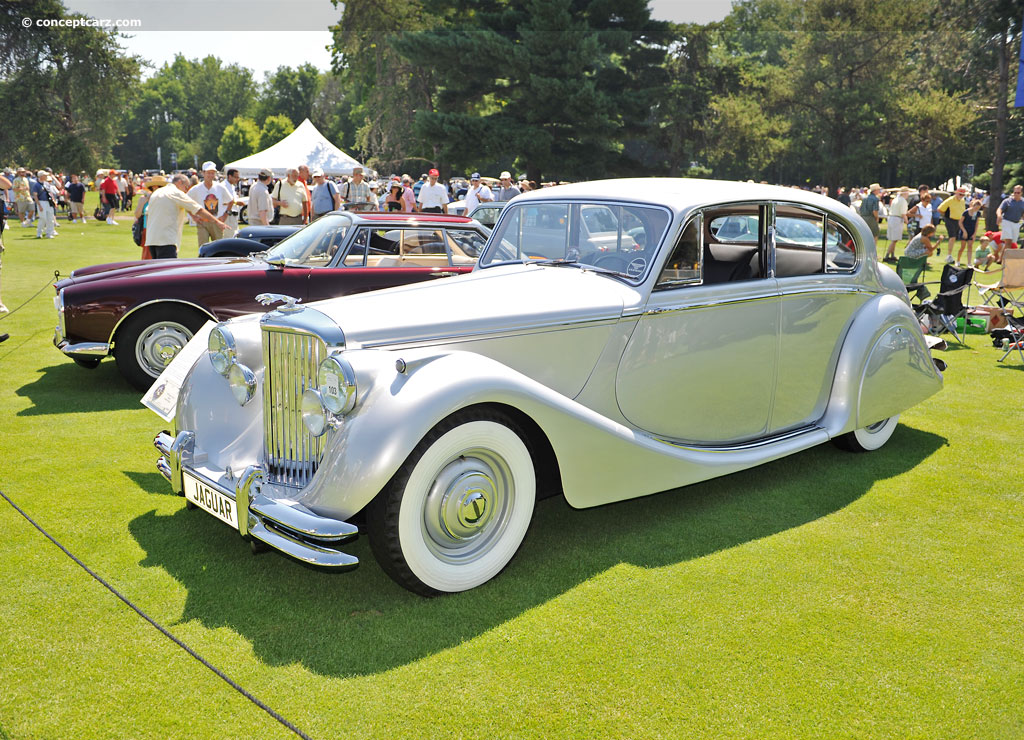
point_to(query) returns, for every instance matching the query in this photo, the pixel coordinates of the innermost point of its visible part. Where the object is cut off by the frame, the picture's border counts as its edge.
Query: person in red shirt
(108, 193)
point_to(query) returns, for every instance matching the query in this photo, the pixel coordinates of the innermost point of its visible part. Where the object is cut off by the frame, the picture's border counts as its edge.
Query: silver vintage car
(616, 339)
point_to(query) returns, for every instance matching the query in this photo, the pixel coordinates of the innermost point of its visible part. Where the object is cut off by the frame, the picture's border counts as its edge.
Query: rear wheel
(868, 438)
(148, 341)
(456, 512)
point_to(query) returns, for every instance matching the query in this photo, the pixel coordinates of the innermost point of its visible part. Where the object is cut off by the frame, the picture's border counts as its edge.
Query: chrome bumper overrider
(288, 527)
(81, 349)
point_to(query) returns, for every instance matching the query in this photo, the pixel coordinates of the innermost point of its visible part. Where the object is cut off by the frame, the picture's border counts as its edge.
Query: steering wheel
(611, 262)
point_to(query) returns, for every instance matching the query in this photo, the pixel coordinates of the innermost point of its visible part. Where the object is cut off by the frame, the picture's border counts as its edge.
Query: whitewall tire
(868, 438)
(457, 511)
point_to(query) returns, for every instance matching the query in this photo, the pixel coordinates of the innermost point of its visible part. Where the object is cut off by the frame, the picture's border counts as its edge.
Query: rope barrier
(227, 679)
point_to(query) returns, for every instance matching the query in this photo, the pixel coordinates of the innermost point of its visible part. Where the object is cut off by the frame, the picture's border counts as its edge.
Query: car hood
(500, 299)
(158, 267)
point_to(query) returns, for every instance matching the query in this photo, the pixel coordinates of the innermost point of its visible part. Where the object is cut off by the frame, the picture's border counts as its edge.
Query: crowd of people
(918, 216)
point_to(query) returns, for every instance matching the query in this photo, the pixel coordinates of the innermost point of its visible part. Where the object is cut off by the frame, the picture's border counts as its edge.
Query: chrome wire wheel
(160, 343)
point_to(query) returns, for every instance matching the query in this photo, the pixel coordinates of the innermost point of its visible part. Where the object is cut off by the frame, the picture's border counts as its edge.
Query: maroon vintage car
(144, 312)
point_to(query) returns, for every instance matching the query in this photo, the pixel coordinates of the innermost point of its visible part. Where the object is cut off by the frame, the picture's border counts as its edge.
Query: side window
(535, 231)
(424, 241)
(465, 245)
(733, 239)
(356, 256)
(799, 236)
(840, 249)
(683, 266)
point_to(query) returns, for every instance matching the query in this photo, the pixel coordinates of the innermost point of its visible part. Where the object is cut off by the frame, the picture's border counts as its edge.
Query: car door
(700, 366)
(815, 263)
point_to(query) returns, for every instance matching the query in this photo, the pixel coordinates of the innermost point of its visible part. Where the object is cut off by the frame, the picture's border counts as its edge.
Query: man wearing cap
(478, 193)
(326, 197)
(108, 195)
(952, 209)
(507, 191)
(895, 222)
(869, 209)
(215, 198)
(356, 192)
(165, 217)
(261, 210)
(290, 195)
(45, 198)
(433, 197)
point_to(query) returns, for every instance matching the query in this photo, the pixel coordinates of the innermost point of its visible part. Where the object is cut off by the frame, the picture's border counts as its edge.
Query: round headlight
(337, 383)
(242, 382)
(222, 349)
(314, 415)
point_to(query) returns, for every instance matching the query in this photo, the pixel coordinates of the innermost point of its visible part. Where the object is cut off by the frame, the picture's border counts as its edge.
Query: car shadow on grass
(68, 388)
(361, 623)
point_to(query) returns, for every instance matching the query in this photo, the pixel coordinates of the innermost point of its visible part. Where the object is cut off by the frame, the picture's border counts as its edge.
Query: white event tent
(305, 145)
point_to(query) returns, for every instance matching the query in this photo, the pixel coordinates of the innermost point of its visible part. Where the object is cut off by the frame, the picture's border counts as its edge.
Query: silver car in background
(616, 339)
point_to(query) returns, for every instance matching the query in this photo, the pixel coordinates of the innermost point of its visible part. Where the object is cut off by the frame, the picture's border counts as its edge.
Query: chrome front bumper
(81, 349)
(288, 527)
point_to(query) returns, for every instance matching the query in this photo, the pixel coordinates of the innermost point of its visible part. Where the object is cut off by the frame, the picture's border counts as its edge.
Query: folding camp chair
(909, 269)
(1009, 291)
(945, 308)
(1013, 337)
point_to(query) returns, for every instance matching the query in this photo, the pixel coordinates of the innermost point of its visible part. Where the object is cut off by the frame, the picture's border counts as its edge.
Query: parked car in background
(699, 341)
(488, 213)
(247, 241)
(144, 312)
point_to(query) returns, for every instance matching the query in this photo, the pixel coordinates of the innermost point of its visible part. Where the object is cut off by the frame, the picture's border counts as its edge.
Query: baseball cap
(433, 172)
(209, 166)
(266, 173)
(475, 176)
(318, 172)
(505, 174)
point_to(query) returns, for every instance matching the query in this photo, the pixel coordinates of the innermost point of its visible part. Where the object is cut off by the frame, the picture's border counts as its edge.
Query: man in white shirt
(433, 197)
(895, 223)
(212, 196)
(165, 217)
(478, 193)
(231, 180)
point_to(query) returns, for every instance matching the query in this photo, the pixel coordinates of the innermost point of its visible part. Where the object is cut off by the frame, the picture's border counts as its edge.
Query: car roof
(680, 194)
(409, 218)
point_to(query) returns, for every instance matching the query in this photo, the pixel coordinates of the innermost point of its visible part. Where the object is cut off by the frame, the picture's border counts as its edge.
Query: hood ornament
(289, 306)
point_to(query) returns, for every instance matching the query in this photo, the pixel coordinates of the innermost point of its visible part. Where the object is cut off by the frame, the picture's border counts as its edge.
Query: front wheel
(868, 438)
(148, 341)
(456, 512)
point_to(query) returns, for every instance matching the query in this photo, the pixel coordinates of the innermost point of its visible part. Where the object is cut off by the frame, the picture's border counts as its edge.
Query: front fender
(884, 368)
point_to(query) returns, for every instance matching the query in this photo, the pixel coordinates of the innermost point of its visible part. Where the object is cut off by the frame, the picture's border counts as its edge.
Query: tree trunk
(999, 152)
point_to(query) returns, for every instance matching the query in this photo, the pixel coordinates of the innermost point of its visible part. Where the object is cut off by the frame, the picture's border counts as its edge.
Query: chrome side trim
(732, 301)
(137, 308)
(497, 334)
(742, 446)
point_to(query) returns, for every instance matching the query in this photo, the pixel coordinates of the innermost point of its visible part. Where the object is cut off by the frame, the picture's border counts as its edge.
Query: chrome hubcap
(468, 504)
(160, 344)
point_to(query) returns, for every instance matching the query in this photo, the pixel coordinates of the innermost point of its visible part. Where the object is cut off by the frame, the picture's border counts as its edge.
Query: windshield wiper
(562, 262)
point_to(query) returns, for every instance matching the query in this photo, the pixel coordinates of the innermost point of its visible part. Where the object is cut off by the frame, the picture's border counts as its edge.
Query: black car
(248, 240)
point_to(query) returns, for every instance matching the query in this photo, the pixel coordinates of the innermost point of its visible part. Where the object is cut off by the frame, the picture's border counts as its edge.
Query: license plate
(210, 500)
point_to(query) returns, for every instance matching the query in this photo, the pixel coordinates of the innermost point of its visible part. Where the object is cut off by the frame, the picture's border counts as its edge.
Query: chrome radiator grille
(290, 360)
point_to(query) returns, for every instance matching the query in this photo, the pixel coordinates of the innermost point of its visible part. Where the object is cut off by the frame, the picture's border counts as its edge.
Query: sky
(264, 35)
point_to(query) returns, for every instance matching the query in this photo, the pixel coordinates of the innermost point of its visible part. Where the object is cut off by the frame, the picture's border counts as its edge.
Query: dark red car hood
(161, 267)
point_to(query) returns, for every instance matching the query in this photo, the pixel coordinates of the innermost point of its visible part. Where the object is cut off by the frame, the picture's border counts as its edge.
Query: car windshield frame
(316, 245)
(649, 254)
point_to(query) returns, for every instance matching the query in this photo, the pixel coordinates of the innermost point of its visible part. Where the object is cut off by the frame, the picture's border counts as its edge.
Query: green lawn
(825, 595)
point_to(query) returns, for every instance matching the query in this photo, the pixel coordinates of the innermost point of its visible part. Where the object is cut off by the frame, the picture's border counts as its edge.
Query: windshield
(616, 238)
(314, 245)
